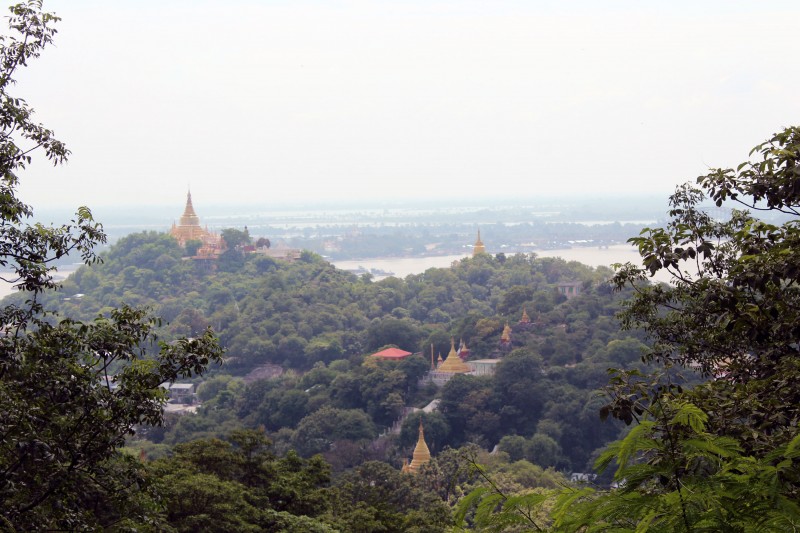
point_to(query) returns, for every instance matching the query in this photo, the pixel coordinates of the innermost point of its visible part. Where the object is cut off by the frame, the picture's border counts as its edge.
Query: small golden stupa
(478, 248)
(421, 456)
(525, 318)
(505, 338)
(453, 363)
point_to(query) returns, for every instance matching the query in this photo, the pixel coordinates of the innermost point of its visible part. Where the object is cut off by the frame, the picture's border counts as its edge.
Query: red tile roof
(392, 353)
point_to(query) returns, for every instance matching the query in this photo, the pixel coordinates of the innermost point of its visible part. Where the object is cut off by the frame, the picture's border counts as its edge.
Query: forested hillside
(318, 326)
(296, 424)
(318, 323)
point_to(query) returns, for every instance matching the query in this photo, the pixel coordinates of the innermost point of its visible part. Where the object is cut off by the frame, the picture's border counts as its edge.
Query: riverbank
(403, 266)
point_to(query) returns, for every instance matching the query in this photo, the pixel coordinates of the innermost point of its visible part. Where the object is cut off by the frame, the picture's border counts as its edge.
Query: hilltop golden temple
(189, 229)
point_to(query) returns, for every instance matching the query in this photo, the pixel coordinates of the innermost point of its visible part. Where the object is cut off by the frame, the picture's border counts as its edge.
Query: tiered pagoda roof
(421, 456)
(453, 364)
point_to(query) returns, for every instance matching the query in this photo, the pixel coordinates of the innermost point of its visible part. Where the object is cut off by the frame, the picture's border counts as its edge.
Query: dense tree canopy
(723, 455)
(80, 370)
(70, 392)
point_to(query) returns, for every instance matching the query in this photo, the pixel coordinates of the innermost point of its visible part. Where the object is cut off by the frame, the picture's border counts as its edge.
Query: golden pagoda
(525, 318)
(478, 247)
(189, 226)
(421, 456)
(453, 364)
(505, 338)
(189, 229)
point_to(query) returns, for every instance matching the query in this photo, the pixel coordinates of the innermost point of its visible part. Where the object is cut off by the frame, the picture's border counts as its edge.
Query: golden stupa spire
(422, 454)
(453, 363)
(189, 217)
(525, 318)
(478, 248)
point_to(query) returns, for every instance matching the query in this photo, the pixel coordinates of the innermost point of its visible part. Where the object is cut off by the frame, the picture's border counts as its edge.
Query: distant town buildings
(571, 289)
(483, 367)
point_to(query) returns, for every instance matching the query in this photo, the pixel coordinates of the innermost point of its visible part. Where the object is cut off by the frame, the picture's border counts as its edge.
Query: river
(403, 266)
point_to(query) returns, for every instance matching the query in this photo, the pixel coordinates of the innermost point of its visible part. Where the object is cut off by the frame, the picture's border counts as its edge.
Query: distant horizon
(201, 203)
(316, 102)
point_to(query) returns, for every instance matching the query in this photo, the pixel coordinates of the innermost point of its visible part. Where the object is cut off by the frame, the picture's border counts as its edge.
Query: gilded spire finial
(189, 217)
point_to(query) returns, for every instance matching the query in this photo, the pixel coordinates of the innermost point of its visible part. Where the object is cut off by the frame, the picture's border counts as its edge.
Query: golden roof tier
(453, 363)
(478, 248)
(422, 455)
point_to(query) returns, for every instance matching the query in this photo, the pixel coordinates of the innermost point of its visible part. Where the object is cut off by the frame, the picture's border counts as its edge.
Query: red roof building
(392, 353)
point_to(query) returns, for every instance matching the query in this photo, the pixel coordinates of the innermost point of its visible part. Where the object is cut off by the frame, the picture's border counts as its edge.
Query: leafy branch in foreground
(722, 455)
(490, 508)
(70, 392)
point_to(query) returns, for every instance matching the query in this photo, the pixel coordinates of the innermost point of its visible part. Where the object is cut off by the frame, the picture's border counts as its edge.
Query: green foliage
(316, 432)
(234, 238)
(719, 456)
(192, 246)
(239, 485)
(492, 507)
(675, 476)
(378, 497)
(70, 391)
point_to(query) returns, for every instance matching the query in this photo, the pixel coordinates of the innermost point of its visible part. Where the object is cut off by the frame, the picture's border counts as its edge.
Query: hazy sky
(271, 101)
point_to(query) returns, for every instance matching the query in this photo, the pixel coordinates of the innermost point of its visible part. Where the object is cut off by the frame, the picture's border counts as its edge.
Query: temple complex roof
(392, 353)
